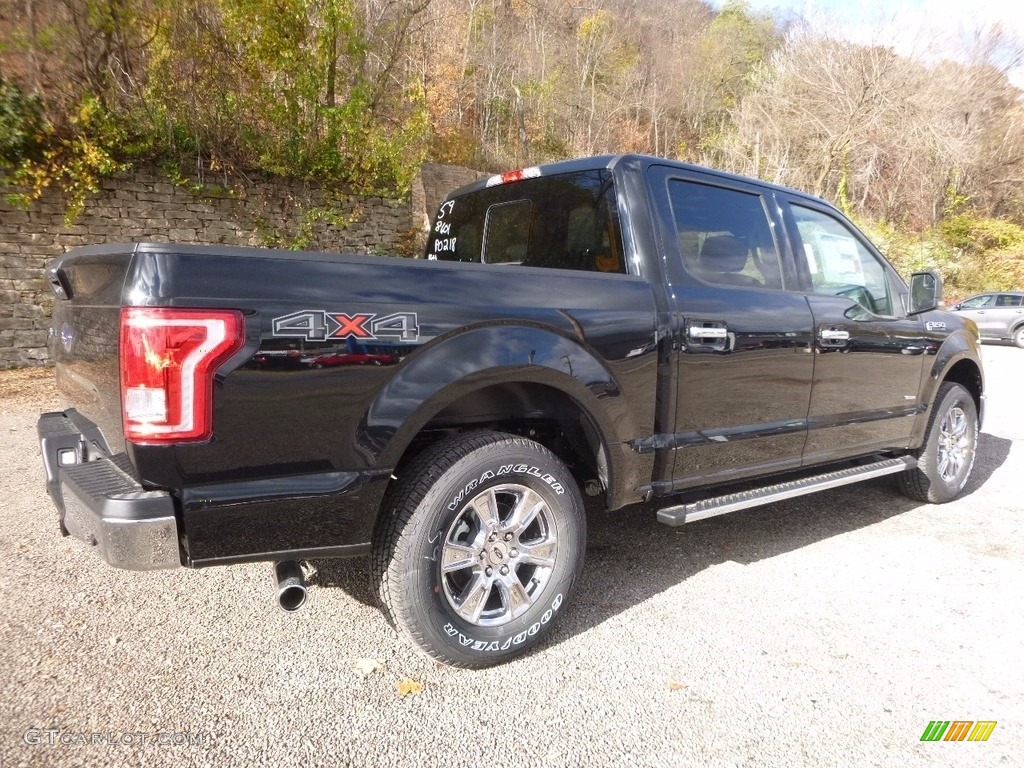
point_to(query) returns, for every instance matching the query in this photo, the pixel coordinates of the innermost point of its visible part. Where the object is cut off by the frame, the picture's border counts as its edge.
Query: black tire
(951, 442)
(1018, 337)
(446, 580)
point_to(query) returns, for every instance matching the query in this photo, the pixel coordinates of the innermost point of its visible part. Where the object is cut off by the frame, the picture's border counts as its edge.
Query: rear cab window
(565, 221)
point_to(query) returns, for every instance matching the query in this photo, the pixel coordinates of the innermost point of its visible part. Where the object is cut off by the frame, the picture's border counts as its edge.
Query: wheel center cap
(497, 554)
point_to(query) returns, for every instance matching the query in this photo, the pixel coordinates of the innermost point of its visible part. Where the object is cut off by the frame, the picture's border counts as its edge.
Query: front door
(868, 354)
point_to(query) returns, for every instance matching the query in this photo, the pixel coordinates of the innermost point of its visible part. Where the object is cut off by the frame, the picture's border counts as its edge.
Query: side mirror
(925, 291)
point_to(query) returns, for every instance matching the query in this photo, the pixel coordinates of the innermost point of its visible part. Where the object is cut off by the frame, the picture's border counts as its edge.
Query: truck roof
(610, 162)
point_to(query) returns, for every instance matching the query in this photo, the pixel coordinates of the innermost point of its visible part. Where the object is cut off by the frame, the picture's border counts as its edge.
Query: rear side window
(1006, 300)
(724, 235)
(568, 221)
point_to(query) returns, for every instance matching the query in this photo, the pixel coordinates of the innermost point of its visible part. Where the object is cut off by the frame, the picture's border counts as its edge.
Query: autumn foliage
(360, 93)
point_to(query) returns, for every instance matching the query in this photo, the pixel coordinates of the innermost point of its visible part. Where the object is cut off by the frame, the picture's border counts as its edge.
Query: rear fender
(439, 375)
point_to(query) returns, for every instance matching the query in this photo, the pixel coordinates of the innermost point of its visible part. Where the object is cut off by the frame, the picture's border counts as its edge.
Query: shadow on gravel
(631, 557)
(351, 574)
(992, 453)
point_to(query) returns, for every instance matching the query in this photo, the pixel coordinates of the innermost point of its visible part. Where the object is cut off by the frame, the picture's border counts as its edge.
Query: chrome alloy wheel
(498, 555)
(954, 447)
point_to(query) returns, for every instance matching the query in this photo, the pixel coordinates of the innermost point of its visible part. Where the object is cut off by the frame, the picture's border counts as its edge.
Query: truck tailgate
(89, 283)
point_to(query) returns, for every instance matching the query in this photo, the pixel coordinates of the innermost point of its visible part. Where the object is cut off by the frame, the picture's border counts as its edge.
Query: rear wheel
(1018, 337)
(947, 458)
(479, 545)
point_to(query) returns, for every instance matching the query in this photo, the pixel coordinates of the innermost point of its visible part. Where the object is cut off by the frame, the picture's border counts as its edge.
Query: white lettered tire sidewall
(420, 607)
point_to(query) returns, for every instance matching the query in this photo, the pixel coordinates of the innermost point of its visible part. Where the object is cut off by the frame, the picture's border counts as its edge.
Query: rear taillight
(168, 359)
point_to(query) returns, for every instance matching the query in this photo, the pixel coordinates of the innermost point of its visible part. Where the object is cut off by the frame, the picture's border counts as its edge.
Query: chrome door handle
(834, 334)
(707, 333)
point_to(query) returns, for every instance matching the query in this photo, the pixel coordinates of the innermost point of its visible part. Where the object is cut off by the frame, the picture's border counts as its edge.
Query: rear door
(743, 330)
(868, 355)
(1006, 315)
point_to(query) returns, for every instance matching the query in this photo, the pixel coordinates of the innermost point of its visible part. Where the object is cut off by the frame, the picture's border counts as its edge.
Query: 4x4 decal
(318, 325)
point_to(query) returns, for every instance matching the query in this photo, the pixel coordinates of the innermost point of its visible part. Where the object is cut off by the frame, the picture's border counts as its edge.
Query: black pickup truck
(625, 327)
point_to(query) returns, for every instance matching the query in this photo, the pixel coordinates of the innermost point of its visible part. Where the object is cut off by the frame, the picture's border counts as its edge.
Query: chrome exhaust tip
(290, 584)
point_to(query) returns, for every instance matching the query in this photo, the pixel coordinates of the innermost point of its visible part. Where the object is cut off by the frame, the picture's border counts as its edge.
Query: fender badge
(935, 326)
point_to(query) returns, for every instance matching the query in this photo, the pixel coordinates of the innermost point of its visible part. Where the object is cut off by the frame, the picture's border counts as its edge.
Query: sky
(923, 28)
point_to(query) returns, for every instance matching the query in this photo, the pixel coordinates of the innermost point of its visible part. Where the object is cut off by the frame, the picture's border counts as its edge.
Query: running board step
(720, 505)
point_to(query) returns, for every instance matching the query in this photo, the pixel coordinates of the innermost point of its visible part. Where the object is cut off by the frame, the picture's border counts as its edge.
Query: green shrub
(23, 128)
(75, 159)
(972, 232)
(972, 252)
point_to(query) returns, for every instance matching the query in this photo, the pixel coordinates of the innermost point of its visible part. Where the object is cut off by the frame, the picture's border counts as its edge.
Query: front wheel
(951, 443)
(479, 545)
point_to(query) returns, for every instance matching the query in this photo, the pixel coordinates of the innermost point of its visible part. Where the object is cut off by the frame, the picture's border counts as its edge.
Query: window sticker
(812, 263)
(840, 261)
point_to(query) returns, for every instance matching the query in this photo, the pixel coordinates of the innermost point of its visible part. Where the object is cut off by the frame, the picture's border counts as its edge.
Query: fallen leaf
(409, 687)
(367, 667)
(674, 686)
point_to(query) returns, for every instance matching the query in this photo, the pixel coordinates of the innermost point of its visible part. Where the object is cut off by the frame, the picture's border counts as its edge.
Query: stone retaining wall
(145, 206)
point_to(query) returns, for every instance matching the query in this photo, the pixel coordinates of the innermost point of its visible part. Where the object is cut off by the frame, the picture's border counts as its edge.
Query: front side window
(840, 265)
(978, 302)
(724, 235)
(566, 221)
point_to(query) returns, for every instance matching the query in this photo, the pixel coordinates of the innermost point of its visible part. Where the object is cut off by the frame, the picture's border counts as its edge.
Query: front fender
(959, 348)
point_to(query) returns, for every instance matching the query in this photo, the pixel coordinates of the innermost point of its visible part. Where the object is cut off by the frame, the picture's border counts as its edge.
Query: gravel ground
(828, 630)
